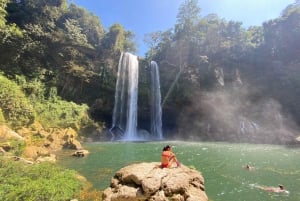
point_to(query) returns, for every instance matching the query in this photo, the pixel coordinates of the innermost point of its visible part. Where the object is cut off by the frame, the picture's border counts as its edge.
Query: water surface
(221, 164)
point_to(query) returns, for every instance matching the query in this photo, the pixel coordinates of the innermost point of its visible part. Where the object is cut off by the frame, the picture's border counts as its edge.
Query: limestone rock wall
(39, 141)
(147, 181)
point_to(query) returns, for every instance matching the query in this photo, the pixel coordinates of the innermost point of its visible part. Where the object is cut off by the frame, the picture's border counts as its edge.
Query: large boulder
(147, 181)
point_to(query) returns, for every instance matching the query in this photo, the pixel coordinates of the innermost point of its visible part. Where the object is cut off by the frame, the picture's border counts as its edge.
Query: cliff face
(147, 181)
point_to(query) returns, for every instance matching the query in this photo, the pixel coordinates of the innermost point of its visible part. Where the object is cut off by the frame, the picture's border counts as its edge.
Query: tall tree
(10, 37)
(118, 39)
(90, 24)
(187, 18)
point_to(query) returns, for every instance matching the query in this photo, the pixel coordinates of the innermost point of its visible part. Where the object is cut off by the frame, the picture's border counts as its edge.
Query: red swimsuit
(167, 155)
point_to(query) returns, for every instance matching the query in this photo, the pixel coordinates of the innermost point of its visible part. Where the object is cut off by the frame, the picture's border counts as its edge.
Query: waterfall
(156, 123)
(124, 122)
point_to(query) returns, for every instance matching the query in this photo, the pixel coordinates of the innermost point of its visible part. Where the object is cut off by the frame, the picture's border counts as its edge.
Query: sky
(147, 16)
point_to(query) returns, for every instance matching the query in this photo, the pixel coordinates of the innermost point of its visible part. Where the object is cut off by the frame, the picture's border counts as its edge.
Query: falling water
(125, 109)
(156, 124)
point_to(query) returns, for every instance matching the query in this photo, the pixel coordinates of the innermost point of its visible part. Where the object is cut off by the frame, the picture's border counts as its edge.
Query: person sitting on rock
(168, 158)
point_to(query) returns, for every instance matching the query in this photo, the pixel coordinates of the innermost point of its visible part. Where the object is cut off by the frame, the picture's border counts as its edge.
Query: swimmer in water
(248, 167)
(279, 189)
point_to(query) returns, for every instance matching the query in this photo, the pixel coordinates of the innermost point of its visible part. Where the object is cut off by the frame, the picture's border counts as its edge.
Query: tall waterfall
(125, 108)
(156, 123)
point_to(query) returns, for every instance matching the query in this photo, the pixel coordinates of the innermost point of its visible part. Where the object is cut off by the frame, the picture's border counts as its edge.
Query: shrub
(17, 147)
(63, 114)
(37, 182)
(50, 109)
(15, 107)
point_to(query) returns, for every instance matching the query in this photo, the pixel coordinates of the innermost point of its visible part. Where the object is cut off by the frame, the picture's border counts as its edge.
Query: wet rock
(51, 158)
(80, 153)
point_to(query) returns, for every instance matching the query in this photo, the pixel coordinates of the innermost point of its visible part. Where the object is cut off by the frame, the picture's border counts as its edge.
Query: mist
(236, 114)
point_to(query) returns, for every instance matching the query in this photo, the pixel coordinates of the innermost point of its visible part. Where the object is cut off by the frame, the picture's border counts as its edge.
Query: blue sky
(146, 16)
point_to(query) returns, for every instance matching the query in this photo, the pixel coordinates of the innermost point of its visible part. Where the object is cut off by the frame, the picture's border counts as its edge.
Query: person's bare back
(279, 189)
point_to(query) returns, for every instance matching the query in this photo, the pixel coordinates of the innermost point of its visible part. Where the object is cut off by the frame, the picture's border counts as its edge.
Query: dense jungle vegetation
(58, 67)
(57, 52)
(227, 76)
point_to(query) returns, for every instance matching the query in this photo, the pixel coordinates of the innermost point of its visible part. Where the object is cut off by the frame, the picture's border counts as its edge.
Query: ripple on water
(222, 165)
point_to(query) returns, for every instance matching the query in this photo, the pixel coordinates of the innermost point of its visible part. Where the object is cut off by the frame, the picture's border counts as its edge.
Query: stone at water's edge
(147, 181)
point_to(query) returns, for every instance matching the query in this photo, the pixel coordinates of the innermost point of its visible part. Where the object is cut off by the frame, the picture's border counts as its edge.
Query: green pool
(222, 165)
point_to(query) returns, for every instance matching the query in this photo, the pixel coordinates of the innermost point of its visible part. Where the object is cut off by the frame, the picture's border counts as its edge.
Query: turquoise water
(221, 164)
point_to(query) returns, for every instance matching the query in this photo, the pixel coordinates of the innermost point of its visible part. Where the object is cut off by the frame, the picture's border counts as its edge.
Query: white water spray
(125, 108)
(156, 123)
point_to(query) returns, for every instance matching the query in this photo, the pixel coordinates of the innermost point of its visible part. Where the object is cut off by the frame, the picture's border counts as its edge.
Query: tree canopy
(67, 50)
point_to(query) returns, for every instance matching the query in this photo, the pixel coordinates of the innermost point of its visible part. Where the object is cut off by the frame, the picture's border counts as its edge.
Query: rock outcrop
(6, 134)
(43, 142)
(40, 142)
(147, 181)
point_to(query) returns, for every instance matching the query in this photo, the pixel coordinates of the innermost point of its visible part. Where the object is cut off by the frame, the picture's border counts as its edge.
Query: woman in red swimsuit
(168, 158)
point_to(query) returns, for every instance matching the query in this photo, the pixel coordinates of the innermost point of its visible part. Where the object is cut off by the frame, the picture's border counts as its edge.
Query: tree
(90, 24)
(158, 42)
(118, 39)
(10, 36)
(187, 17)
(74, 31)
(3, 13)
(16, 108)
(282, 34)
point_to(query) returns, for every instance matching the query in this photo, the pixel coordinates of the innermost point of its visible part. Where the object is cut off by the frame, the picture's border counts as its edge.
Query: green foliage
(2, 119)
(50, 109)
(192, 57)
(36, 182)
(90, 25)
(129, 45)
(16, 109)
(34, 90)
(67, 55)
(17, 147)
(282, 40)
(9, 36)
(187, 17)
(62, 114)
(114, 40)
(3, 13)
(45, 106)
(75, 32)
(64, 47)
